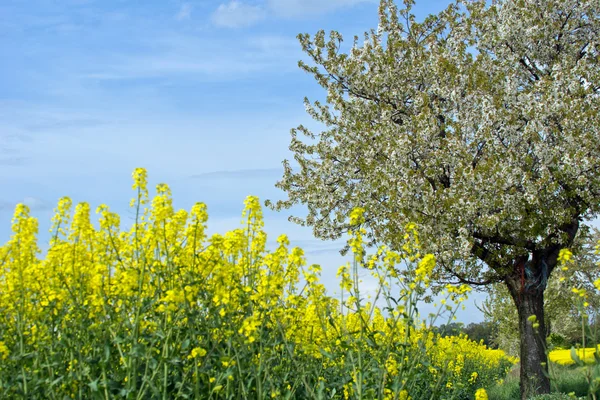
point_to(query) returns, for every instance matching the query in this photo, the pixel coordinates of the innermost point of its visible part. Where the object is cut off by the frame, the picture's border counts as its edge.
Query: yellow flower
(473, 377)
(481, 394)
(425, 267)
(356, 216)
(346, 281)
(564, 256)
(225, 286)
(563, 357)
(197, 352)
(4, 352)
(391, 365)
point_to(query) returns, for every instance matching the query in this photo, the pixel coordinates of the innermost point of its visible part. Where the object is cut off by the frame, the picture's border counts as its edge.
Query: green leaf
(326, 354)
(575, 357)
(93, 385)
(185, 344)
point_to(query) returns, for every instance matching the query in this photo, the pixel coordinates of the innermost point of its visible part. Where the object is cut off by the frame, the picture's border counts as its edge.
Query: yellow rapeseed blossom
(161, 295)
(4, 352)
(563, 357)
(481, 394)
(564, 256)
(197, 352)
(425, 267)
(473, 377)
(357, 216)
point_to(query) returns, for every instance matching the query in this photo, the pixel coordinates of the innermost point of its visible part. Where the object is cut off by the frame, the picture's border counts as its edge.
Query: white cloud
(236, 14)
(36, 204)
(296, 8)
(185, 12)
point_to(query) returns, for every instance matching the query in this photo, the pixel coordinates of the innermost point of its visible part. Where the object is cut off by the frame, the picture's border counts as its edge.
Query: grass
(569, 379)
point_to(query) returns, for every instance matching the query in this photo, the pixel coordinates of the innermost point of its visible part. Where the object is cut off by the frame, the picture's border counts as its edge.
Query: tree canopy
(480, 124)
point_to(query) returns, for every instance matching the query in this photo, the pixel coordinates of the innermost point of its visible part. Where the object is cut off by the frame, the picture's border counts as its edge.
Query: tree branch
(462, 279)
(525, 244)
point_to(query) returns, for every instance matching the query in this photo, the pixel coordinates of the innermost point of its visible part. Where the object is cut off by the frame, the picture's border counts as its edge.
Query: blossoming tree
(480, 124)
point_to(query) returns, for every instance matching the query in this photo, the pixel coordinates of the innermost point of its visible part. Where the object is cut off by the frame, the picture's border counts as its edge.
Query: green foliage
(450, 329)
(507, 389)
(483, 331)
(558, 341)
(583, 360)
(553, 396)
(478, 332)
(568, 380)
(563, 317)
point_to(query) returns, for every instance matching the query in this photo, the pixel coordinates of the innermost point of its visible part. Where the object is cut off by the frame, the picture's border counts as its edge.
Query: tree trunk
(534, 370)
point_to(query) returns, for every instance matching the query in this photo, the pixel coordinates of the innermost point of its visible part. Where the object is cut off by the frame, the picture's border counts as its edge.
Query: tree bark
(529, 300)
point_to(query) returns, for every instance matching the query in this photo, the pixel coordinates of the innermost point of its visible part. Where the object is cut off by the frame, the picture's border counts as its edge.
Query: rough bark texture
(533, 369)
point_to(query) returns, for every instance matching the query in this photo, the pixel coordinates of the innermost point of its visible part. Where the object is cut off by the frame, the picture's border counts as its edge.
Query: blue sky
(200, 93)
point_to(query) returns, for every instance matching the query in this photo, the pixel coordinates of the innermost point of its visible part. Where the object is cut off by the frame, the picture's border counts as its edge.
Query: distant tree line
(485, 331)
